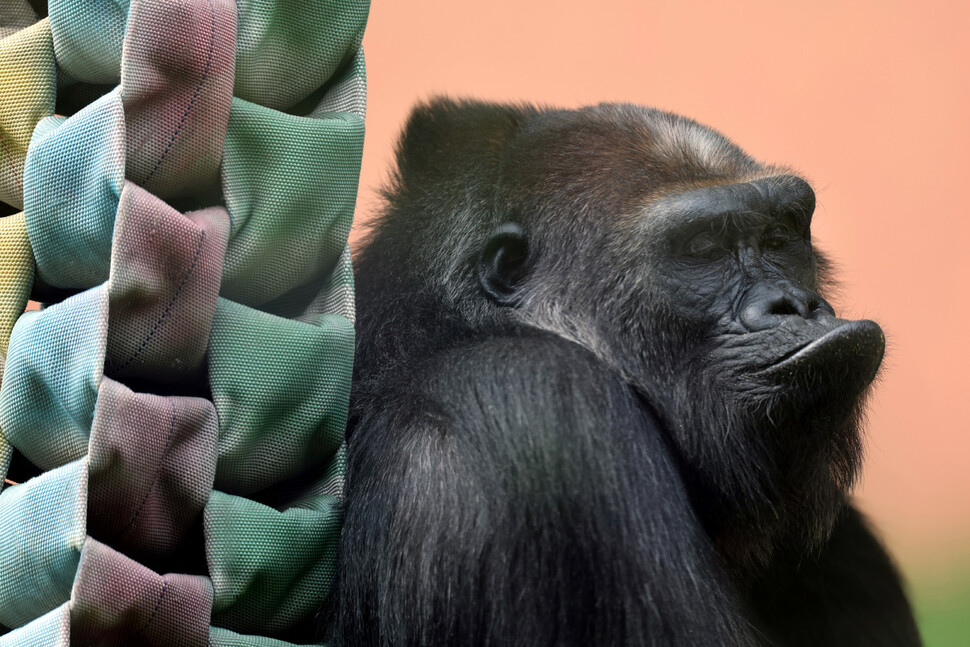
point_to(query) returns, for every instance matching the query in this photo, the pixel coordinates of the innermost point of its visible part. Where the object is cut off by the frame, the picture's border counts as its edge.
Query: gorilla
(600, 399)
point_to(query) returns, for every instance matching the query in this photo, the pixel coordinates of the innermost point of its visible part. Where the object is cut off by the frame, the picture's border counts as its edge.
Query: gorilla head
(682, 267)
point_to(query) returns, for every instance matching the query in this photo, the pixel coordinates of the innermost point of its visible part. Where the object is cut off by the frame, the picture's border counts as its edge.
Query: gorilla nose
(767, 304)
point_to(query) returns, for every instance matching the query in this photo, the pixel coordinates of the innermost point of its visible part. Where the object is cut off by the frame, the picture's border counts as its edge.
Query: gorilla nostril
(783, 307)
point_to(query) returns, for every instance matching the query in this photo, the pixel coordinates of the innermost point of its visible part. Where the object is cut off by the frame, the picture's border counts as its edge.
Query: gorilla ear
(502, 263)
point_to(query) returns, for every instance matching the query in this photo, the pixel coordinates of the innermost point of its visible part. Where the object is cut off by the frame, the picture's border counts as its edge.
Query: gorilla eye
(702, 245)
(778, 236)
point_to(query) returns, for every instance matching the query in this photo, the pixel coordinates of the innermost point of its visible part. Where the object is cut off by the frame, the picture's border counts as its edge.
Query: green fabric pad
(266, 591)
(44, 522)
(74, 174)
(57, 357)
(304, 168)
(281, 389)
(53, 629)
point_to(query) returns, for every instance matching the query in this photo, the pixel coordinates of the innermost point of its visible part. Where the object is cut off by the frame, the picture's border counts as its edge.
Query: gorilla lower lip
(855, 345)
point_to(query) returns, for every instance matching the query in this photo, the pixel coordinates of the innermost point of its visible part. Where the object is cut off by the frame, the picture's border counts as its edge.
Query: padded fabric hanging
(181, 177)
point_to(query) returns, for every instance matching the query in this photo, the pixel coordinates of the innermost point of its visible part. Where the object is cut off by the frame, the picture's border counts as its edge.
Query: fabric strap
(180, 179)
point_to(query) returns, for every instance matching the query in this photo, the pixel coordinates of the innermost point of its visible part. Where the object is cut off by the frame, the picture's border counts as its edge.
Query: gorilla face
(695, 277)
(739, 264)
(767, 390)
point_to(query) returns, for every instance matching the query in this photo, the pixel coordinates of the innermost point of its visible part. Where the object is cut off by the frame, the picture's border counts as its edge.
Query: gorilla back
(600, 399)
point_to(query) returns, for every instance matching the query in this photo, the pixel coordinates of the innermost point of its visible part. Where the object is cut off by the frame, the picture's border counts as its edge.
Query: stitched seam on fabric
(13, 163)
(158, 473)
(198, 90)
(158, 604)
(168, 308)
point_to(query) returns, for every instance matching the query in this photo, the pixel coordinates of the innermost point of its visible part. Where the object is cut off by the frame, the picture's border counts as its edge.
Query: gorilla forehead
(618, 155)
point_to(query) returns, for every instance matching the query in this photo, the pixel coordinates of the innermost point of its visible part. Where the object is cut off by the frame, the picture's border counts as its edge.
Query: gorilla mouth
(855, 347)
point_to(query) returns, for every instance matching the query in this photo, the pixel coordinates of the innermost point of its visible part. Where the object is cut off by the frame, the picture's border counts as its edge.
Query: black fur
(599, 400)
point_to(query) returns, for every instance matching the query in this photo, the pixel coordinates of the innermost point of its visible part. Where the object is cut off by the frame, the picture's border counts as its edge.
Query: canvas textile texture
(177, 182)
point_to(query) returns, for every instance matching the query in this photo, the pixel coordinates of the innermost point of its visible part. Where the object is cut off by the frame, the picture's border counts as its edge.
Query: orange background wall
(870, 101)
